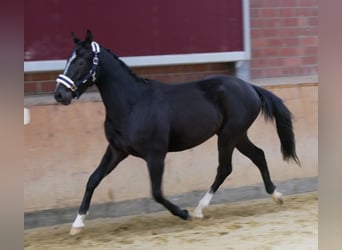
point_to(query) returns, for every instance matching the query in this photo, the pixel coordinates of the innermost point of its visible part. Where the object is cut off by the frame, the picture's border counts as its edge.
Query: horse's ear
(74, 38)
(89, 37)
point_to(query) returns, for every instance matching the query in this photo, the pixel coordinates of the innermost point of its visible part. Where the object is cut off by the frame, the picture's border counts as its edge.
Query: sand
(255, 224)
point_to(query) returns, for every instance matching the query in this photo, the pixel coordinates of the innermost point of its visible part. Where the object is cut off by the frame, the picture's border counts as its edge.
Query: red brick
(309, 51)
(309, 41)
(257, 73)
(313, 21)
(258, 63)
(303, 21)
(221, 66)
(283, 71)
(273, 23)
(257, 53)
(267, 62)
(269, 12)
(48, 86)
(255, 13)
(274, 42)
(291, 42)
(40, 76)
(265, 72)
(309, 60)
(258, 23)
(44, 76)
(289, 22)
(270, 32)
(293, 61)
(30, 87)
(288, 3)
(286, 12)
(288, 32)
(307, 2)
(273, 72)
(269, 52)
(183, 73)
(257, 33)
(38, 87)
(300, 51)
(309, 31)
(290, 71)
(255, 3)
(179, 68)
(259, 43)
(289, 51)
(270, 3)
(307, 11)
(275, 62)
(27, 77)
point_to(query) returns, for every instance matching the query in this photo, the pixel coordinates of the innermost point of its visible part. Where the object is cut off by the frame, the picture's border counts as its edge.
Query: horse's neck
(119, 88)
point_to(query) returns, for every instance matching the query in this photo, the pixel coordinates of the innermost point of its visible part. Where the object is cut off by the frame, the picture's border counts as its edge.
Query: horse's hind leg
(156, 168)
(257, 156)
(109, 161)
(225, 150)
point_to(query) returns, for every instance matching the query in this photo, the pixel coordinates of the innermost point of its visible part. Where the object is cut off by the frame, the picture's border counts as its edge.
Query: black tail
(273, 107)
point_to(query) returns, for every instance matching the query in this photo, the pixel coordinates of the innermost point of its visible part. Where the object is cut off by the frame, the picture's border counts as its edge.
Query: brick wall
(284, 37)
(38, 83)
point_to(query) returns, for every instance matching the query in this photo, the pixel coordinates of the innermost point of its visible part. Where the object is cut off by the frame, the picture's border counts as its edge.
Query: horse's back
(228, 94)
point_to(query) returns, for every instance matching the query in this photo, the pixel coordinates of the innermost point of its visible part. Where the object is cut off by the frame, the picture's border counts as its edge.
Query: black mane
(125, 66)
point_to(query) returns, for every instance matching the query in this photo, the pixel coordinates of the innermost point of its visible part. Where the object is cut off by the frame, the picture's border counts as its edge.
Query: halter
(73, 86)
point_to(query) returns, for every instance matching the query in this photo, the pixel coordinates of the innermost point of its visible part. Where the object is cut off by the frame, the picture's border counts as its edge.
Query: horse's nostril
(58, 96)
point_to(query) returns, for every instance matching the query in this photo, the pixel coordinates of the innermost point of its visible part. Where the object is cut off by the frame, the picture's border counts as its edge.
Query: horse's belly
(193, 122)
(180, 144)
(191, 136)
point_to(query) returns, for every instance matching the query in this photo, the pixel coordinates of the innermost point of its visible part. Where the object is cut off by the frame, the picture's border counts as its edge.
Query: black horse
(148, 119)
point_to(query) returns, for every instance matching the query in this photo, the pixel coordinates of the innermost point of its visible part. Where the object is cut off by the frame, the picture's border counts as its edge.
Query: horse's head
(80, 70)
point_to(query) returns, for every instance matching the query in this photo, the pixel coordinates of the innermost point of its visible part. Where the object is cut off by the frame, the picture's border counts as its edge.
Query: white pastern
(79, 221)
(78, 224)
(277, 197)
(204, 202)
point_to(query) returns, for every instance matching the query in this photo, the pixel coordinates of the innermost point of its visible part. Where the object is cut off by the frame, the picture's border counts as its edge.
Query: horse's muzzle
(63, 96)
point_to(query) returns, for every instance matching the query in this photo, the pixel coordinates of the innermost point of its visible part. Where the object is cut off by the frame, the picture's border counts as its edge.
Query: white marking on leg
(277, 197)
(78, 224)
(79, 221)
(204, 202)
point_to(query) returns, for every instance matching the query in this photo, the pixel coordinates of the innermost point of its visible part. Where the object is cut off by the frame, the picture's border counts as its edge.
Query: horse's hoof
(76, 230)
(277, 197)
(197, 213)
(185, 215)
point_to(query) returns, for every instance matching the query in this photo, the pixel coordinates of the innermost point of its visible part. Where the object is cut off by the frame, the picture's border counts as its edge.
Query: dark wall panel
(133, 28)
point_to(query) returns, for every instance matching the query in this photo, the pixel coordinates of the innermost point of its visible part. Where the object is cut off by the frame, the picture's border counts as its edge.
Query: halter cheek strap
(73, 86)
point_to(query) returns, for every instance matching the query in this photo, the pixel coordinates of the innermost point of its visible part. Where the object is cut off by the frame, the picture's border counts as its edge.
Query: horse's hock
(63, 145)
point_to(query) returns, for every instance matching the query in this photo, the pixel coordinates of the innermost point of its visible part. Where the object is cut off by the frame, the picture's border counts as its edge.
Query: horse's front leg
(156, 168)
(110, 160)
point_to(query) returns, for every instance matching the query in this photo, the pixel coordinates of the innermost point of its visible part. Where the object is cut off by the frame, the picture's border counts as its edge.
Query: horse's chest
(123, 139)
(115, 136)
